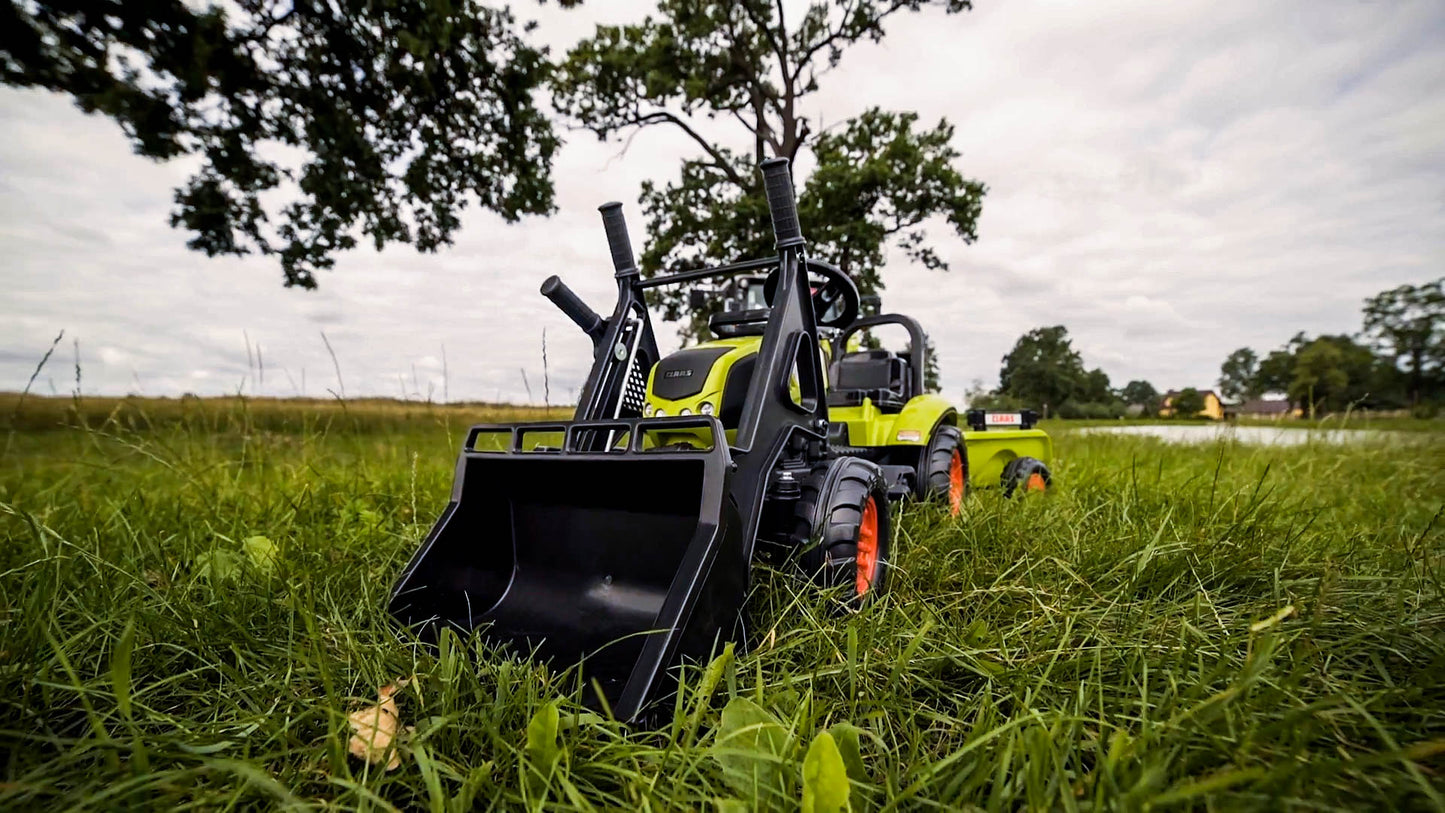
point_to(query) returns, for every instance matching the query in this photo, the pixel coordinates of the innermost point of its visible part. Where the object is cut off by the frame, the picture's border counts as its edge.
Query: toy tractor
(623, 540)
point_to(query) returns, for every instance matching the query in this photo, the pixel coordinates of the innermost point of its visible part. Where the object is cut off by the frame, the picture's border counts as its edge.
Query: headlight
(659, 413)
(684, 411)
(705, 408)
(647, 411)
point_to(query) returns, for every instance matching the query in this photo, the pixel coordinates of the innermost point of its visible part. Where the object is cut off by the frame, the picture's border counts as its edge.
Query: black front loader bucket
(585, 547)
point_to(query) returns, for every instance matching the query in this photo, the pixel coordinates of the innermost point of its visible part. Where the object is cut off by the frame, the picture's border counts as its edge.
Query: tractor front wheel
(844, 512)
(1024, 474)
(943, 472)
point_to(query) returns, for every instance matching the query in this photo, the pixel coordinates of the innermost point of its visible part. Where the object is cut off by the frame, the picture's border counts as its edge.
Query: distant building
(1213, 407)
(1273, 408)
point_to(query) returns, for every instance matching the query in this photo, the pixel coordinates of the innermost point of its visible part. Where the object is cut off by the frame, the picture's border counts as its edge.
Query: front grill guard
(580, 437)
(707, 593)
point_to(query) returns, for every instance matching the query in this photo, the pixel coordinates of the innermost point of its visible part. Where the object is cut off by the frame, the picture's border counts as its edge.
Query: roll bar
(918, 343)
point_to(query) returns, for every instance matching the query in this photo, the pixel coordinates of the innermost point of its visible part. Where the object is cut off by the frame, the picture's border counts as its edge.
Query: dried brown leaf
(374, 728)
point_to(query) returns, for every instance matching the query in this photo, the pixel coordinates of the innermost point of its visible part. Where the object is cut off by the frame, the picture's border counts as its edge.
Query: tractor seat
(727, 324)
(877, 375)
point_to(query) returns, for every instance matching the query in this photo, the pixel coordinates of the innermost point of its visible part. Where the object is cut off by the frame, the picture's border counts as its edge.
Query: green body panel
(913, 426)
(922, 414)
(712, 386)
(989, 452)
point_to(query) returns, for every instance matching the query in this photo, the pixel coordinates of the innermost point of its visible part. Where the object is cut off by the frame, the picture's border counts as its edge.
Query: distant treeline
(1395, 361)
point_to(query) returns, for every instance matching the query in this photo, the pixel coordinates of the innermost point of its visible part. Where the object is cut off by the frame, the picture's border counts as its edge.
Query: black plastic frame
(917, 355)
(774, 428)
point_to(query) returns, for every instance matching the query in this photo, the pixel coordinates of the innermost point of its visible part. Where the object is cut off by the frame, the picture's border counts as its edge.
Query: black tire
(1019, 474)
(935, 469)
(831, 516)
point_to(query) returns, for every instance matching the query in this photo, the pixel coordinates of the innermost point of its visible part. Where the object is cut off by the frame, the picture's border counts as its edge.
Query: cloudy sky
(1171, 180)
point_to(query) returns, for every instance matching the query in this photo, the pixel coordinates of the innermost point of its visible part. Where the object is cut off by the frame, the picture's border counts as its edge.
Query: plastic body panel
(623, 561)
(989, 452)
(711, 389)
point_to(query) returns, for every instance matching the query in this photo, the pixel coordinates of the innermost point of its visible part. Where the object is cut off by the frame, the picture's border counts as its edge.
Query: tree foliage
(1238, 373)
(1141, 392)
(1275, 371)
(1043, 369)
(700, 67)
(311, 121)
(1408, 325)
(1187, 403)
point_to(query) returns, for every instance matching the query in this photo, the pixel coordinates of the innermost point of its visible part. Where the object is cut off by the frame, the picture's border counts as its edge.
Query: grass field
(191, 594)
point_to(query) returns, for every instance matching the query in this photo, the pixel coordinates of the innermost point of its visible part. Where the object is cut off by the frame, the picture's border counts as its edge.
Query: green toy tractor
(623, 541)
(878, 406)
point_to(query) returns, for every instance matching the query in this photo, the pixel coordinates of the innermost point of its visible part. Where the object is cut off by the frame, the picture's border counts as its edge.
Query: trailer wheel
(849, 532)
(1025, 474)
(943, 472)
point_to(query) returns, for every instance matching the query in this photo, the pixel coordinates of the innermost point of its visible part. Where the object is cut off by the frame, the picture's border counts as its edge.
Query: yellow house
(1213, 407)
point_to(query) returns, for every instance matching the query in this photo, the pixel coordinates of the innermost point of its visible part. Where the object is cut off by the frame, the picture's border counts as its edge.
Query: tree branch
(672, 118)
(767, 32)
(842, 32)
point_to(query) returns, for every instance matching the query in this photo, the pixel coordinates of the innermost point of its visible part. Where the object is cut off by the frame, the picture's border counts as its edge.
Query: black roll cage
(775, 426)
(917, 344)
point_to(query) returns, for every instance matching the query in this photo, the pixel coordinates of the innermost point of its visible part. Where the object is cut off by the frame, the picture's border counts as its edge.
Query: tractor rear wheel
(943, 471)
(843, 513)
(1025, 474)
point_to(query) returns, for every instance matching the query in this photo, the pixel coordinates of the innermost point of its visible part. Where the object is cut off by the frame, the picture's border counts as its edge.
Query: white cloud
(1169, 180)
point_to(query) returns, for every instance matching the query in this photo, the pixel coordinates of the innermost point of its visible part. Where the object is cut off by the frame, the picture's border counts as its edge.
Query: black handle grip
(778, 183)
(617, 239)
(572, 305)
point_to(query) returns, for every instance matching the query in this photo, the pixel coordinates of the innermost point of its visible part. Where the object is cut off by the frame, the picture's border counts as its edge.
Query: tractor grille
(634, 392)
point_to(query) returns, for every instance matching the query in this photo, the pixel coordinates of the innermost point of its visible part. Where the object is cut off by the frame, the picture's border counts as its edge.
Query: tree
(1318, 375)
(1275, 372)
(1408, 325)
(696, 65)
(1042, 369)
(311, 121)
(1095, 387)
(1187, 403)
(1142, 393)
(1238, 374)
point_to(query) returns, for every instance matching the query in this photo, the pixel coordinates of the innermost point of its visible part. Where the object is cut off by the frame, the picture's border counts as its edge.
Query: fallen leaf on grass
(218, 565)
(262, 552)
(374, 729)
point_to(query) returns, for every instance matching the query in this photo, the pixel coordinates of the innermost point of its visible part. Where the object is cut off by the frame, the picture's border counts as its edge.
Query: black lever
(617, 239)
(572, 305)
(778, 183)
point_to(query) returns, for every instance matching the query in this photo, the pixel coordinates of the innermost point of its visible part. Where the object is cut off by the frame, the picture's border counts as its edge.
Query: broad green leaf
(751, 747)
(261, 551)
(542, 737)
(711, 677)
(825, 779)
(218, 565)
(845, 735)
(542, 750)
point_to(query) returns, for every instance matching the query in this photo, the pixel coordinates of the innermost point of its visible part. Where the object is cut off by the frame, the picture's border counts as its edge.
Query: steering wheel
(835, 297)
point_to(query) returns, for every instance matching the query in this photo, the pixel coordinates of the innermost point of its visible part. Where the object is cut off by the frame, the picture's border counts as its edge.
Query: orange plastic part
(955, 484)
(867, 556)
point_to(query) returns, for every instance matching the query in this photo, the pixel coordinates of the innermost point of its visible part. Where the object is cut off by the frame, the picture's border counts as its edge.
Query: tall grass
(1216, 627)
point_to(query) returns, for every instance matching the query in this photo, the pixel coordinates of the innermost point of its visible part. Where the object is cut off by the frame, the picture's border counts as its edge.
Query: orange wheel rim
(955, 483)
(1036, 482)
(867, 546)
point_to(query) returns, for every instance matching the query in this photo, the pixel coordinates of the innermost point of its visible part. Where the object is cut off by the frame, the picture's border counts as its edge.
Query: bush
(1090, 410)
